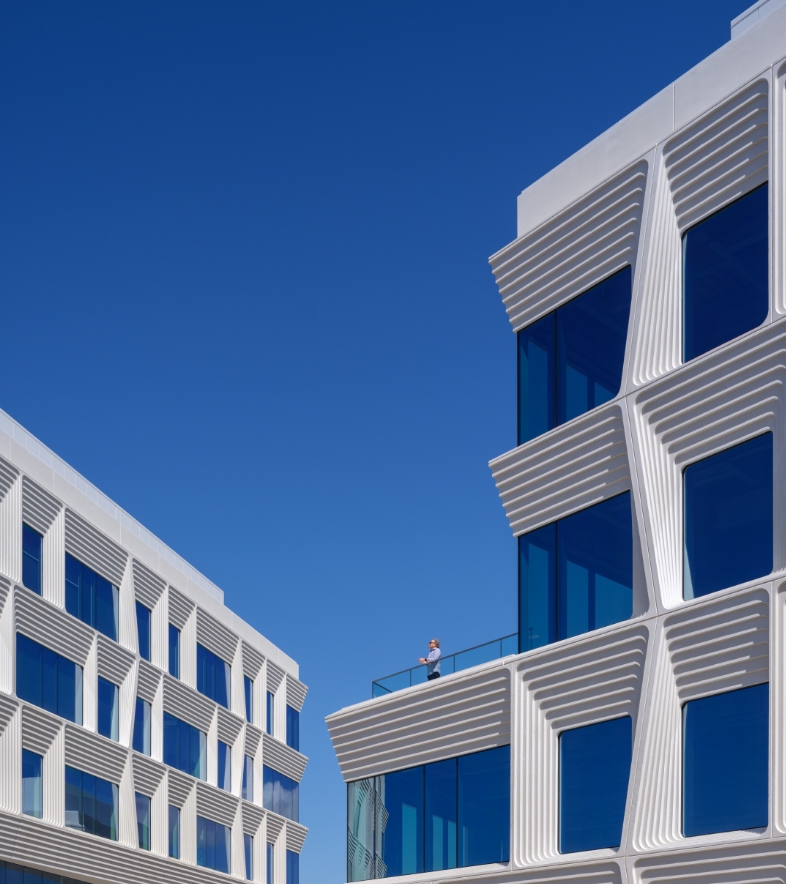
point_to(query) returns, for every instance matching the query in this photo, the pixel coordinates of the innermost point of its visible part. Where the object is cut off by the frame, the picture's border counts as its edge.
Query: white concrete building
(147, 733)
(638, 734)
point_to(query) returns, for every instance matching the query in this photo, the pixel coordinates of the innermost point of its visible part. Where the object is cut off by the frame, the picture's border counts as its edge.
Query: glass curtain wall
(576, 574)
(48, 680)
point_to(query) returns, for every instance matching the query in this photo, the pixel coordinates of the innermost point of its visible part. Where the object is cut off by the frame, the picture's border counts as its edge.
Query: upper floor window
(726, 273)
(32, 784)
(142, 820)
(90, 804)
(224, 766)
(48, 680)
(174, 651)
(594, 772)
(293, 728)
(107, 709)
(185, 747)
(269, 712)
(247, 791)
(32, 558)
(726, 761)
(576, 574)
(174, 831)
(248, 852)
(141, 739)
(445, 815)
(248, 690)
(143, 617)
(213, 845)
(213, 676)
(280, 794)
(571, 360)
(293, 867)
(91, 597)
(728, 506)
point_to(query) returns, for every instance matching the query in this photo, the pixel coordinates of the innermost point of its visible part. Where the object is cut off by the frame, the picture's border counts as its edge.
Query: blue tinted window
(91, 597)
(142, 820)
(361, 848)
(224, 766)
(32, 784)
(107, 709)
(594, 772)
(90, 804)
(728, 517)
(174, 831)
(213, 845)
(293, 867)
(269, 711)
(484, 807)
(48, 680)
(269, 863)
(571, 360)
(174, 651)
(32, 558)
(293, 728)
(441, 812)
(401, 795)
(576, 574)
(141, 740)
(726, 273)
(143, 630)
(185, 746)
(725, 764)
(280, 794)
(248, 778)
(213, 676)
(248, 692)
(248, 850)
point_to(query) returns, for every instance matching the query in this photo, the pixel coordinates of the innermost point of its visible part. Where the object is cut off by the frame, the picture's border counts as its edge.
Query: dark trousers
(432, 676)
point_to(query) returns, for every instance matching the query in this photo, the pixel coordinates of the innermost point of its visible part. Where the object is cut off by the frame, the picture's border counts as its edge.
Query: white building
(147, 733)
(638, 735)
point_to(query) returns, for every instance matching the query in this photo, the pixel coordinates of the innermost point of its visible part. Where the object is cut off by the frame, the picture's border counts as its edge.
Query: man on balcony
(432, 661)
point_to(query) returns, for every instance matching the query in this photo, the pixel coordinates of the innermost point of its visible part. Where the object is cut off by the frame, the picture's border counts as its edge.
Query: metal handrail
(405, 678)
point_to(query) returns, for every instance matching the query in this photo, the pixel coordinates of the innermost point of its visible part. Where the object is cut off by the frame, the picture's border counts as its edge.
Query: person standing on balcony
(432, 661)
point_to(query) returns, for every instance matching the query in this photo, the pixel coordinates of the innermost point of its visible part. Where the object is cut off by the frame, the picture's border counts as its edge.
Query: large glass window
(445, 815)
(32, 784)
(728, 517)
(107, 709)
(224, 766)
(143, 618)
(185, 747)
(576, 574)
(725, 761)
(571, 360)
(248, 692)
(141, 740)
(142, 820)
(11, 873)
(32, 558)
(213, 676)
(174, 831)
(280, 794)
(293, 728)
(90, 804)
(726, 273)
(293, 867)
(594, 772)
(174, 651)
(247, 791)
(213, 845)
(48, 680)
(248, 850)
(91, 597)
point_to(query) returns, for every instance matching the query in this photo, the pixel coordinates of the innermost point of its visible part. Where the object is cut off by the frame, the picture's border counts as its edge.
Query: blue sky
(245, 292)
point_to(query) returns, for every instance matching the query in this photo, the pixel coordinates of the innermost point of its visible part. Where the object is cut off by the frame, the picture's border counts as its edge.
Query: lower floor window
(143, 820)
(174, 831)
(11, 873)
(293, 867)
(32, 784)
(90, 804)
(280, 794)
(213, 845)
(248, 850)
(269, 863)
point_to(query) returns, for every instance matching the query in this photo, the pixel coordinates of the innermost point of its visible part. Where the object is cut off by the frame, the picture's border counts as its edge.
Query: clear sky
(243, 258)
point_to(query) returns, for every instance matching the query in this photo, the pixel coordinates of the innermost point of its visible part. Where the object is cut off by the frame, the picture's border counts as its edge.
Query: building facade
(637, 735)
(147, 733)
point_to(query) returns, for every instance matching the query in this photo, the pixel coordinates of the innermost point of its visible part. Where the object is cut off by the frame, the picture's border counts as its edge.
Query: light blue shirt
(432, 661)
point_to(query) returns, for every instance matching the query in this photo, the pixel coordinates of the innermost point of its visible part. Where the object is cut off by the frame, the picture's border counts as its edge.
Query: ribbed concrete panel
(574, 466)
(10, 522)
(280, 757)
(274, 825)
(274, 676)
(253, 737)
(705, 648)
(179, 787)
(215, 804)
(39, 507)
(148, 774)
(114, 663)
(180, 608)
(148, 680)
(777, 687)
(54, 562)
(578, 248)
(465, 713)
(296, 836)
(215, 636)
(253, 661)
(148, 586)
(777, 200)
(52, 627)
(228, 725)
(589, 680)
(7, 641)
(187, 704)
(762, 863)
(93, 754)
(8, 475)
(93, 548)
(296, 693)
(252, 818)
(708, 405)
(39, 729)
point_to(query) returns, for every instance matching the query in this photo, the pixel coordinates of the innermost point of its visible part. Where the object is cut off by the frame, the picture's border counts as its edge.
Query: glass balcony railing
(493, 650)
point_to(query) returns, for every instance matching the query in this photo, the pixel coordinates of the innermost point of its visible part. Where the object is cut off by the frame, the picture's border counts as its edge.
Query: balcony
(493, 650)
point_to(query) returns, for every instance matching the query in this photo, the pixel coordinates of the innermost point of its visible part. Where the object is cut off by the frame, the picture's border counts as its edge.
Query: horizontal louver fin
(93, 548)
(39, 507)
